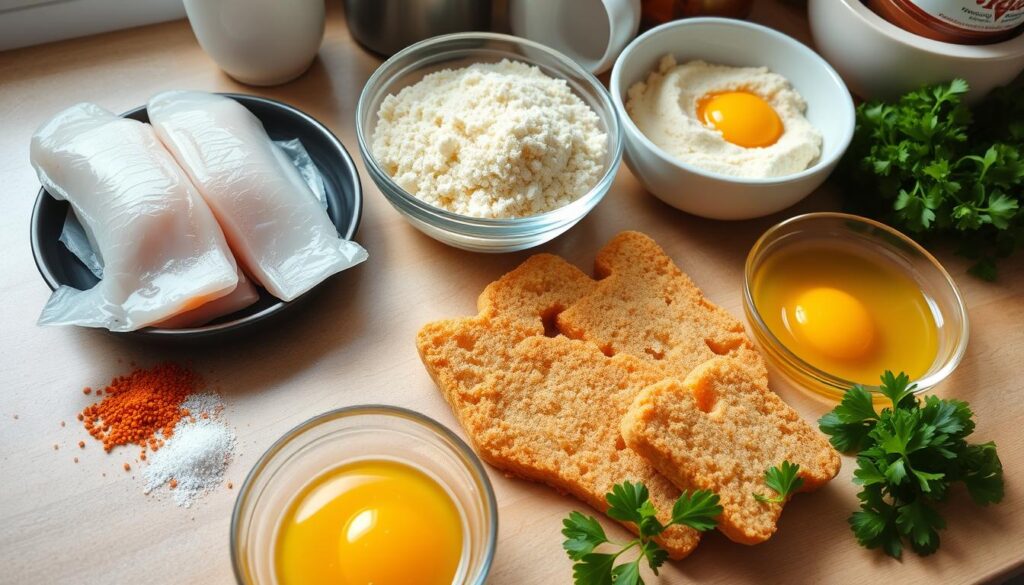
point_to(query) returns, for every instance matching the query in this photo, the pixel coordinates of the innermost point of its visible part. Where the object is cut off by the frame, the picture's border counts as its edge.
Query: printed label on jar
(975, 15)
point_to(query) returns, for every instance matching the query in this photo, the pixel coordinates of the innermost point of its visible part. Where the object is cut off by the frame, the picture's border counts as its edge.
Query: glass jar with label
(964, 22)
(655, 12)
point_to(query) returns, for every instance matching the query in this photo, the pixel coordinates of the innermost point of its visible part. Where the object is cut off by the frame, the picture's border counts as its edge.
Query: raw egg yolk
(743, 118)
(833, 322)
(376, 522)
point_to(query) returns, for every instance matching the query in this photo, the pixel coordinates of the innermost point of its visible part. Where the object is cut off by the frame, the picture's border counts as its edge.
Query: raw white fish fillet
(276, 227)
(162, 250)
(244, 295)
(76, 241)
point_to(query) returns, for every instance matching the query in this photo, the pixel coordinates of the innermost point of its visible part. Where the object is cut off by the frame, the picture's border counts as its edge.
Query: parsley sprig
(930, 166)
(908, 456)
(784, 480)
(630, 502)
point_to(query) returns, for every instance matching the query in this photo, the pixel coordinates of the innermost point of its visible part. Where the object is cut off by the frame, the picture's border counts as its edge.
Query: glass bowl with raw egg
(365, 494)
(836, 299)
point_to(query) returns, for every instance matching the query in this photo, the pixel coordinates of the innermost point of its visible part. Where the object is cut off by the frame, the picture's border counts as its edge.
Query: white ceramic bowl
(879, 60)
(737, 43)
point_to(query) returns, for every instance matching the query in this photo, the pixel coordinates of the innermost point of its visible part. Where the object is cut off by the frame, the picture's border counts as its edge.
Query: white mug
(259, 42)
(592, 32)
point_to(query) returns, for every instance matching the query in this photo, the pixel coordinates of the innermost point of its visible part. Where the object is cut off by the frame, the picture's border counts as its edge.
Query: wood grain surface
(62, 522)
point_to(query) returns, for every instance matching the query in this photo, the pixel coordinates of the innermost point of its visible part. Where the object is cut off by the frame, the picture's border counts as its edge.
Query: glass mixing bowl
(351, 434)
(879, 240)
(460, 50)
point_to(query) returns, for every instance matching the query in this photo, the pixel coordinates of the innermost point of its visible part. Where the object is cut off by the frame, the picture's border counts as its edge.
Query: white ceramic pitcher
(259, 42)
(592, 32)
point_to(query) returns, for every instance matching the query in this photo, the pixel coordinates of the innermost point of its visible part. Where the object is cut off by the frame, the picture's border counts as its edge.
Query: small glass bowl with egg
(457, 51)
(836, 299)
(365, 494)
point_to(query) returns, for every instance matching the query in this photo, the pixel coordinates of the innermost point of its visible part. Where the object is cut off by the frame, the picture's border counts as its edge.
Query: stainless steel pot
(388, 26)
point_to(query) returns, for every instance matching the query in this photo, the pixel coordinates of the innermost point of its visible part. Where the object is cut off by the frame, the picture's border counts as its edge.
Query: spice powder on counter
(160, 409)
(142, 407)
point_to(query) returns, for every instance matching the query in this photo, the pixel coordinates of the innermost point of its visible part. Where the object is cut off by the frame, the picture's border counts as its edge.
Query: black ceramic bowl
(344, 193)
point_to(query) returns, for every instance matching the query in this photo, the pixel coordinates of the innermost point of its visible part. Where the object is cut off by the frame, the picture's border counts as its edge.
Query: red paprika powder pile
(140, 408)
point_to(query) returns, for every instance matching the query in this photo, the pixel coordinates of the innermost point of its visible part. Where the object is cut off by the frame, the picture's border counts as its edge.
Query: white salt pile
(193, 460)
(201, 403)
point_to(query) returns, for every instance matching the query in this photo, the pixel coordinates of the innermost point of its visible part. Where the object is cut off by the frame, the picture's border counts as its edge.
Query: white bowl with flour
(739, 44)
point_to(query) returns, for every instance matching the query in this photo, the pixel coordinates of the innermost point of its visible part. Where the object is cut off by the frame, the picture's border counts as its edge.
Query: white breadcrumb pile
(494, 140)
(192, 462)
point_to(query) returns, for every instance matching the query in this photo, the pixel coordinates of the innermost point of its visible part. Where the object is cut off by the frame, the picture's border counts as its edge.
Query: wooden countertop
(62, 522)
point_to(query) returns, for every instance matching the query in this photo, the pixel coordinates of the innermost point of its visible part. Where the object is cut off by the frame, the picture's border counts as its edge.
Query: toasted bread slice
(550, 415)
(460, 353)
(644, 305)
(720, 430)
(535, 292)
(542, 376)
(544, 408)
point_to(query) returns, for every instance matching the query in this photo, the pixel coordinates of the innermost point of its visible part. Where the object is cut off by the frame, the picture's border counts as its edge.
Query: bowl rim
(1009, 49)
(615, 133)
(833, 382)
(822, 164)
(203, 331)
(474, 465)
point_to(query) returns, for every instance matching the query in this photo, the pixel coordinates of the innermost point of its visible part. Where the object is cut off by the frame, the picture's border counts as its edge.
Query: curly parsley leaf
(874, 524)
(850, 422)
(983, 473)
(784, 480)
(698, 510)
(908, 456)
(920, 524)
(655, 555)
(627, 574)
(856, 407)
(898, 390)
(934, 168)
(594, 569)
(630, 502)
(947, 417)
(583, 534)
(844, 437)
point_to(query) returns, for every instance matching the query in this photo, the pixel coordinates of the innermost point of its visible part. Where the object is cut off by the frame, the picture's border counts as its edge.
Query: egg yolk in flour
(742, 117)
(845, 312)
(374, 522)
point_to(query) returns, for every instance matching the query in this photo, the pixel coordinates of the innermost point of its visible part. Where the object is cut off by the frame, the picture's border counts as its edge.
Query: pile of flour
(494, 140)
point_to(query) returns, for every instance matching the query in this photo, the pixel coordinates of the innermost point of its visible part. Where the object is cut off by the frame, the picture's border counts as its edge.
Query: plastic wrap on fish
(77, 242)
(162, 250)
(277, 229)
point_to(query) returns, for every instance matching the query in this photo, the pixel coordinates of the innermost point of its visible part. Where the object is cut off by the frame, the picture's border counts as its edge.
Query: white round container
(590, 32)
(259, 42)
(880, 60)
